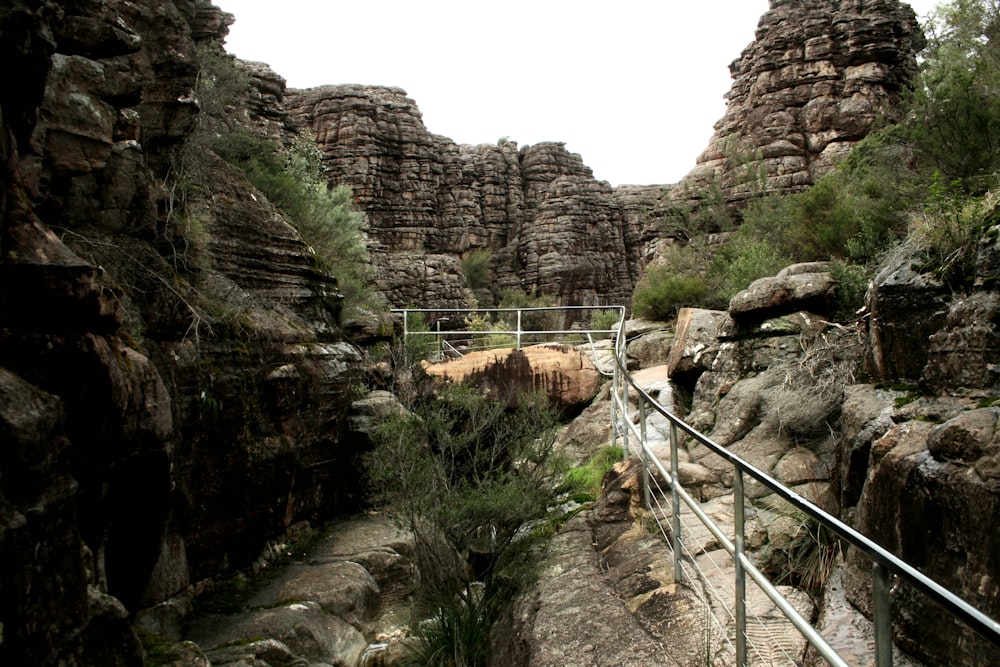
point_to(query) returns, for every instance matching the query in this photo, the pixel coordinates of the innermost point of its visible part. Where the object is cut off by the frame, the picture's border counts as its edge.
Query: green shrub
(852, 285)
(659, 295)
(543, 320)
(584, 482)
(457, 633)
(469, 469)
(418, 348)
(325, 218)
(954, 113)
(476, 268)
(605, 320)
(949, 228)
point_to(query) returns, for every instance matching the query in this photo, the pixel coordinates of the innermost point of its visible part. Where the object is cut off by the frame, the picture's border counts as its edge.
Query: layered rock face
(550, 227)
(812, 84)
(172, 369)
(817, 77)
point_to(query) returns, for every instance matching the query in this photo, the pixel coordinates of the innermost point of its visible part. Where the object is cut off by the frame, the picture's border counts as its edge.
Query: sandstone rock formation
(173, 373)
(817, 77)
(551, 228)
(566, 375)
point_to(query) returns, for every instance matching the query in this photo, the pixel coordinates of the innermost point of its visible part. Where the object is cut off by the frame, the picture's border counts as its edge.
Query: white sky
(634, 86)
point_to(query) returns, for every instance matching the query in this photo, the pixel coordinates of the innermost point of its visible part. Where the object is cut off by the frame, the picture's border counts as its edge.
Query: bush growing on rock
(468, 468)
(465, 474)
(660, 294)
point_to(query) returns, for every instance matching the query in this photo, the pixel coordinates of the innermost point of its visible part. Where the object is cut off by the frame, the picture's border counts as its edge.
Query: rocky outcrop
(812, 84)
(173, 372)
(354, 588)
(551, 228)
(805, 91)
(564, 374)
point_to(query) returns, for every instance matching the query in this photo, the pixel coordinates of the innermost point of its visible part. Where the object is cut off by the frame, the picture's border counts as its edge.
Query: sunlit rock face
(549, 225)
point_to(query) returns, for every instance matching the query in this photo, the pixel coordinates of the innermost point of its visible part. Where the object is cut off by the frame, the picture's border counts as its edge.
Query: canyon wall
(548, 225)
(818, 77)
(173, 371)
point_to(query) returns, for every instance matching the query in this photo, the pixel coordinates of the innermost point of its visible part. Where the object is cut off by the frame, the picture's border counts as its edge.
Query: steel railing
(885, 564)
(633, 436)
(447, 338)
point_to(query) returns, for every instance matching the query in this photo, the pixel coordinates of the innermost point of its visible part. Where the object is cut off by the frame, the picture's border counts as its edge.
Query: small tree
(465, 473)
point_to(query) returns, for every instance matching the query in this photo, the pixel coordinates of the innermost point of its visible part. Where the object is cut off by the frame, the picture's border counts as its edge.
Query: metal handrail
(885, 563)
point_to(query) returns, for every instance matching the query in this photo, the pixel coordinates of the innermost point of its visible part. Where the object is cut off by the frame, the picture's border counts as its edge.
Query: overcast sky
(633, 86)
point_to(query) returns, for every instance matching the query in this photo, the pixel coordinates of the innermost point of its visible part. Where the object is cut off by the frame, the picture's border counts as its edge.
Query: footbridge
(650, 431)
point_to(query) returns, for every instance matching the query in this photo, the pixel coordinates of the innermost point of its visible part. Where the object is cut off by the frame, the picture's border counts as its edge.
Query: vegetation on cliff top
(924, 183)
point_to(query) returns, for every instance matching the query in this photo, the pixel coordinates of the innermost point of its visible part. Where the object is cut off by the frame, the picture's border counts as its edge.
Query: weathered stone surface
(695, 341)
(342, 588)
(964, 355)
(573, 616)
(947, 475)
(800, 287)
(815, 79)
(906, 308)
(296, 630)
(865, 416)
(566, 375)
(550, 227)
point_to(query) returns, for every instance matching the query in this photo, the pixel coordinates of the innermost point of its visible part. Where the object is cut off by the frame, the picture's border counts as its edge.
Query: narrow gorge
(186, 397)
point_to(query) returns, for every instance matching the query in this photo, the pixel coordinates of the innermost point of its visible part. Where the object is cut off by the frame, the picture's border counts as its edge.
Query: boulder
(947, 475)
(906, 307)
(566, 375)
(799, 287)
(695, 343)
(963, 357)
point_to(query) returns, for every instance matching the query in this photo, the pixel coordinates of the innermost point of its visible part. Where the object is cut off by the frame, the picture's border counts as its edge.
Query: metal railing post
(406, 334)
(882, 615)
(643, 452)
(626, 420)
(518, 344)
(675, 503)
(739, 518)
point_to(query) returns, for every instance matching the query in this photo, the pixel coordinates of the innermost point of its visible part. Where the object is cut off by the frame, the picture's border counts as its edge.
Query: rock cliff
(172, 367)
(549, 226)
(816, 79)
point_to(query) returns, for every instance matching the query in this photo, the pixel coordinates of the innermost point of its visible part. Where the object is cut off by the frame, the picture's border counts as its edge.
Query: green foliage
(221, 87)
(852, 285)
(543, 320)
(456, 634)
(326, 219)
(745, 260)
(476, 268)
(954, 118)
(417, 348)
(855, 212)
(949, 227)
(468, 469)
(660, 294)
(605, 320)
(158, 649)
(584, 482)
(812, 554)
(484, 322)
